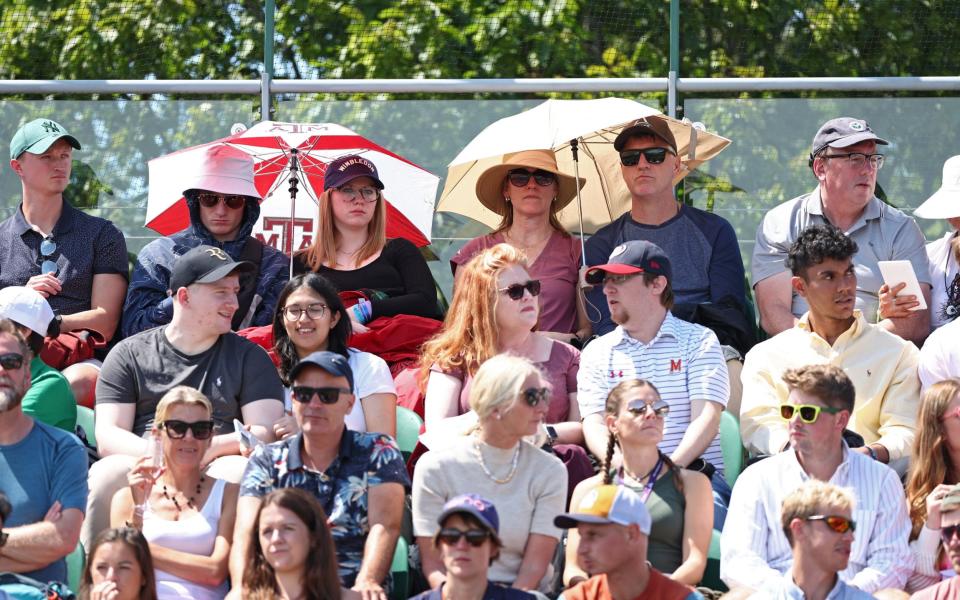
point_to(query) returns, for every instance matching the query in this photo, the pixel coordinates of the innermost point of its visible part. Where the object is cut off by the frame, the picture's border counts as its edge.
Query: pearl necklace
(483, 465)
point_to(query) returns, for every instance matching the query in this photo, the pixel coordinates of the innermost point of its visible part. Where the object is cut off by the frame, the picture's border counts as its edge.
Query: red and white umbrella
(409, 190)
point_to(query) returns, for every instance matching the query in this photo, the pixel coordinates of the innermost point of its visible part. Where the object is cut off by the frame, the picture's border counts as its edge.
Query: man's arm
(915, 326)
(536, 558)
(898, 408)
(106, 298)
(745, 537)
(762, 429)
(114, 425)
(708, 387)
(726, 273)
(38, 544)
(774, 297)
(385, 511)
(704, 426)
(243, 530)
(147, 304)
(260, 415)
(889, 560)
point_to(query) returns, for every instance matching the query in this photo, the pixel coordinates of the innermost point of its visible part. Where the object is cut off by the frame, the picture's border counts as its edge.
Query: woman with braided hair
(680, 501)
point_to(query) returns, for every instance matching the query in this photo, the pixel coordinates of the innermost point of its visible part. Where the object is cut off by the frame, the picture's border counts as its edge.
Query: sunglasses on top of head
(475, 537)
(836, 523)
(209, 200)
(515, 291)
(520, 178)
(177, 429)
(809, 413)
(327, 395)
(654, 156)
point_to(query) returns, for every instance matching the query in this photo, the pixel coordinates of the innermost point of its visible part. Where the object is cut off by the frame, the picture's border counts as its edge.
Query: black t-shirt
(400, 272)
(231, 373)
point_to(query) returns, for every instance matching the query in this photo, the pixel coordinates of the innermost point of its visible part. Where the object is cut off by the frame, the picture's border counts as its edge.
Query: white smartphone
(896, 272)
(248, 441)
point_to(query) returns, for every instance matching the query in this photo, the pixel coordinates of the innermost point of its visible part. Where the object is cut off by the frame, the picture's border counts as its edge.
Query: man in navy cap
(683, 360)
(845, 161)
(359, 478)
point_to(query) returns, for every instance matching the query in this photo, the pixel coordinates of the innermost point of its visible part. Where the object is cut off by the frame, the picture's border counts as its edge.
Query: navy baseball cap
(638, 256)
(331, 362)
(646, 126)
(205, 264)
(844, 132)
(476, 506)
(347, 168)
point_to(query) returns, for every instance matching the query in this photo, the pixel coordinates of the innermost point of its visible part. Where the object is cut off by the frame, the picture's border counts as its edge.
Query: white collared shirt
(755, 552)
(786, 589)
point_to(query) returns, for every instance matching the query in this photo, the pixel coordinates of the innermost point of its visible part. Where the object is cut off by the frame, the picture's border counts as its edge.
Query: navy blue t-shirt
(493, 592)
(703, 252)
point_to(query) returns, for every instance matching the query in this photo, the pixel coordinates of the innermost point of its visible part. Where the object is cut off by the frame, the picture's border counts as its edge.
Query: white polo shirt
(684, 361)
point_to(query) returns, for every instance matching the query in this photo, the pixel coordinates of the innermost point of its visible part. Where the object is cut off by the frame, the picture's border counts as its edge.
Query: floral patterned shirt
(365, 460)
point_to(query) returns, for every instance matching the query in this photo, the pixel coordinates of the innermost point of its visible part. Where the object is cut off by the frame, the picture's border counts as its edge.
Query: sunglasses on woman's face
(208, 200)
(327, 395)
(519, 178)
(515, 291)
(475, 537)
(11, 361)
(177, 430)
(534, 396)
(836, 523)
(809, 413)
(654, 156)
(639, 408)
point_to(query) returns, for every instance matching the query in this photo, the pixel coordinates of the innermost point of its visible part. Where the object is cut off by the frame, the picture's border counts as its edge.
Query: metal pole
(265, 96)
(674, 71)
(266, 75)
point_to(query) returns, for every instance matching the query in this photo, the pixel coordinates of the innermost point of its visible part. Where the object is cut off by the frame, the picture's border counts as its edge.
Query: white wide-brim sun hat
(945, 202)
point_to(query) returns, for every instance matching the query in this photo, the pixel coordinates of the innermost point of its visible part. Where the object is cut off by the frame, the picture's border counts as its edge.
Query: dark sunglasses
(836, 523)
(521, 178)
(639, 408)
(475, 537)
(202, 430)
(654, 156)
(328, 395)
(947, 533)
(534, 396)
(47, 248)
(809, 413)
(11, 361)
(515, 291)
(208, 200)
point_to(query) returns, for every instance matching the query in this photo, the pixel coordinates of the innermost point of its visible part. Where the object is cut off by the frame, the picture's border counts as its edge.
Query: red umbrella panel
(409, 190)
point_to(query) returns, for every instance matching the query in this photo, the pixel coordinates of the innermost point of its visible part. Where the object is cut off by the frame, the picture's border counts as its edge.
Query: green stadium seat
(408, 430)
(400, 570)
(75, 566)
(711, 574)
(731, 446)
(85, 422)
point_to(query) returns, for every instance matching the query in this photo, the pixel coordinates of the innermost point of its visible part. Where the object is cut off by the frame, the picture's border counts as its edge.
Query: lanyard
(648, 488)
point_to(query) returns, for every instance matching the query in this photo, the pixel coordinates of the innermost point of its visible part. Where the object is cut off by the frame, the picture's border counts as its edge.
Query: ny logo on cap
(217, 253)
(50, 127)
(857, 125)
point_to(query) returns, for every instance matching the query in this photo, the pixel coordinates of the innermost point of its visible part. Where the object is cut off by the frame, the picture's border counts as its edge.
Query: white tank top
(196, 534)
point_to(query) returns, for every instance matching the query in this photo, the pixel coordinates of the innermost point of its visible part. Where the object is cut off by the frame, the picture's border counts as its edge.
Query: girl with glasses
(495, 462)
(185, 515)
(934, 469)
(680, 501)
(351, 249)
(528, 190)
(311, 317)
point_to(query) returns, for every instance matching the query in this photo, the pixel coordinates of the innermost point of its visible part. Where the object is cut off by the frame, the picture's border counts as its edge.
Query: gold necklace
(515, 462)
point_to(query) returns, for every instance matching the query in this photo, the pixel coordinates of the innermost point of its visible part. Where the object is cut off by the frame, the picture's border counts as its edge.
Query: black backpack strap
(252, 253)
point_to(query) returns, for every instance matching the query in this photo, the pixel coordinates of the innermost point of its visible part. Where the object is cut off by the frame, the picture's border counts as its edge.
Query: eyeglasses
(809, 413)
(177, 430)
(618, 279)
(654, 156)
(859, 159)
(367, 194)
(515, 291)
(475, 537)
(949, 532)
(639, 408)
(293, 312)
(11, 361)
(328, 395)
(209, 200)
(836, 523)
(47, 248)
(520, 178)
(534, 396)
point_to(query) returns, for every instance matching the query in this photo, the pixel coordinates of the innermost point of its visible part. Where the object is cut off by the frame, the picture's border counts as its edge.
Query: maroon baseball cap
(637, 256)
(653, 126)
(347, 168)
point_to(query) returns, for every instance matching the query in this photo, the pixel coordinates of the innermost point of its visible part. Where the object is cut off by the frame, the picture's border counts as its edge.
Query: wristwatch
(552, 435)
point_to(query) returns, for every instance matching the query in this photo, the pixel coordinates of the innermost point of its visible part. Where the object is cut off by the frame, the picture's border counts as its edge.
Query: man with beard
(43, 471)
(681, 359)
(882, 366)
(950, 534)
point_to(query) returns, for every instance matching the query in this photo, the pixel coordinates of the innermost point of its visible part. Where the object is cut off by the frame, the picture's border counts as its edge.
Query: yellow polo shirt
(882, 366)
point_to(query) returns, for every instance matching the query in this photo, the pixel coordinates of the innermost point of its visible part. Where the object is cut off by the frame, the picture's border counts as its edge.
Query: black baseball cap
(331, 362)
(646, 126)
(637, 256)
(844, 132)
(205, 264)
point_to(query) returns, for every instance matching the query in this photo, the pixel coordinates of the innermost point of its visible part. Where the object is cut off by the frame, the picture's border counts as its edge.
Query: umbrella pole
(294, 181)
(576, 171)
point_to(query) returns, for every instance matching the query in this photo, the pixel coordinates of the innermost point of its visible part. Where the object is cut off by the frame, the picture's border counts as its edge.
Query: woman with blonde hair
(934, 468)
(494, 310)
(186, 515)
(351, 249)
(510, 399)
(528, 190)
(680, 501)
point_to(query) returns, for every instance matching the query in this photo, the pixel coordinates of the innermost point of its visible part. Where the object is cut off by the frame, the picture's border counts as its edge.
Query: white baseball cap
(27, 307)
